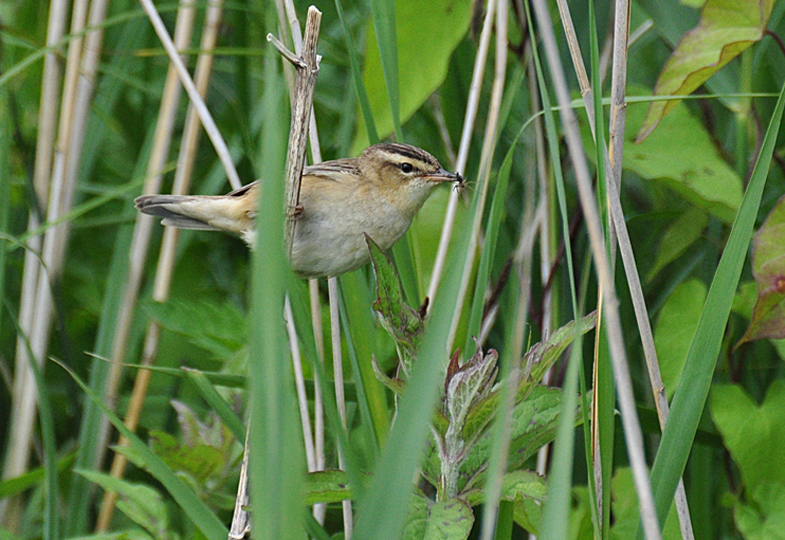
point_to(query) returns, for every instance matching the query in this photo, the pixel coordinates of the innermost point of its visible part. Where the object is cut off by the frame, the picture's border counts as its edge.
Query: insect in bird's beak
(444, 176)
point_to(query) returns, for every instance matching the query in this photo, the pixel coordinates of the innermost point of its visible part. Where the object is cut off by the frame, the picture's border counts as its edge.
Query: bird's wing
(335, 170)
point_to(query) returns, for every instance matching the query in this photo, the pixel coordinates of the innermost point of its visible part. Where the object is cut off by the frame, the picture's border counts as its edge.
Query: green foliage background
(681, 192)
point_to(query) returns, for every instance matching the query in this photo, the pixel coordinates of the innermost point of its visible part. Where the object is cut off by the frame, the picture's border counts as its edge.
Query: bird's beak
(444, 176)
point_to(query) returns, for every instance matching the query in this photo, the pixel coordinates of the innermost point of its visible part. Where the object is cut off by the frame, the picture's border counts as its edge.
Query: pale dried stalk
(297, 39)
(50, 87)
(307, 69)
(463, 150)
(286, 12)
(318, 406)
(613, 165)
(483, 178)
(241, 519)
(80, 74)
(629, 415)
(165, 267)
(196, 101)
(299, 381)
(144, 223)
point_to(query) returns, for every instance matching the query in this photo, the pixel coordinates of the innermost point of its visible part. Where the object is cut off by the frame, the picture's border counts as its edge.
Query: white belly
(331, 245)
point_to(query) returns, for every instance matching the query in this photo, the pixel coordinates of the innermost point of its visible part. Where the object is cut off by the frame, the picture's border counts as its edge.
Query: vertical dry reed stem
(80, 75)
(166, 259)
(196, 101)
(629, 416)
(483, 179)
(47, 128)
(613, 164)
(463, 150)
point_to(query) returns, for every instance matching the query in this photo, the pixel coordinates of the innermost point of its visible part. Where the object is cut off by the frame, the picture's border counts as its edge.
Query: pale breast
(329, 236)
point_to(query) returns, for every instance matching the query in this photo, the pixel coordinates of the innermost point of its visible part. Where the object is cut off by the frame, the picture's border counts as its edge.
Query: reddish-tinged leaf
(768, 267)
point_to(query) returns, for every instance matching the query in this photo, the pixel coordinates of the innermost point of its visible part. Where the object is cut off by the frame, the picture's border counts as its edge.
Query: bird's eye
(407, 167)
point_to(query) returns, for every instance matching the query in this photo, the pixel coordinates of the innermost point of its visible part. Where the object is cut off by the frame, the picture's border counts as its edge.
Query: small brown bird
(377, 194)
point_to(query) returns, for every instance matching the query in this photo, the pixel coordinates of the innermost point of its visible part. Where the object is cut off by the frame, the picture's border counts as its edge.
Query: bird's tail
(183, 211)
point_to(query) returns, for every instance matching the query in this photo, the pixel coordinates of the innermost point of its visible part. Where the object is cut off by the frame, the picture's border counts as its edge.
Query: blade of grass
(357, 77)
(690, 397)
(383, 15)
(555, 514)
(217, 403)
(358, 324)
(603, 427)
(278, 463)
(489, 248)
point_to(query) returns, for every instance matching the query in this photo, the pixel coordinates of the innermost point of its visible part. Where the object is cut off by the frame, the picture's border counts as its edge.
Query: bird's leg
(296, 212)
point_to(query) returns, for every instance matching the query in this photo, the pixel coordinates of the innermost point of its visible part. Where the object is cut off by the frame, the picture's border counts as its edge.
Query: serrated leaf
(515, 485)
(428, 520)
(534, 424)
(451, 519)
(396, 385)
(403, 323)
(142, 504)
(726, 29)
(768, 268)
(541, 356)
(416, 518)
(537, 360)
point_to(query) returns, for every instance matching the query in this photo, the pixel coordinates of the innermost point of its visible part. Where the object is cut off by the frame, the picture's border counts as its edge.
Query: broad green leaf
(428, 520)
(416, 518)
(675, 328)
(679, 236)
(216, 327)
(751, 432)
(427, 32)
(682, 156)
(726, 28)
(451, 519)
(403, 323)
(141, 503)
(768, 267)
(764, 518)
(327, 486)
(515, 485)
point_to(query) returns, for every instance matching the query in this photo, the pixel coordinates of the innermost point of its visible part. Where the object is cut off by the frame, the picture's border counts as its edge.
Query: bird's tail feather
(170, 208)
